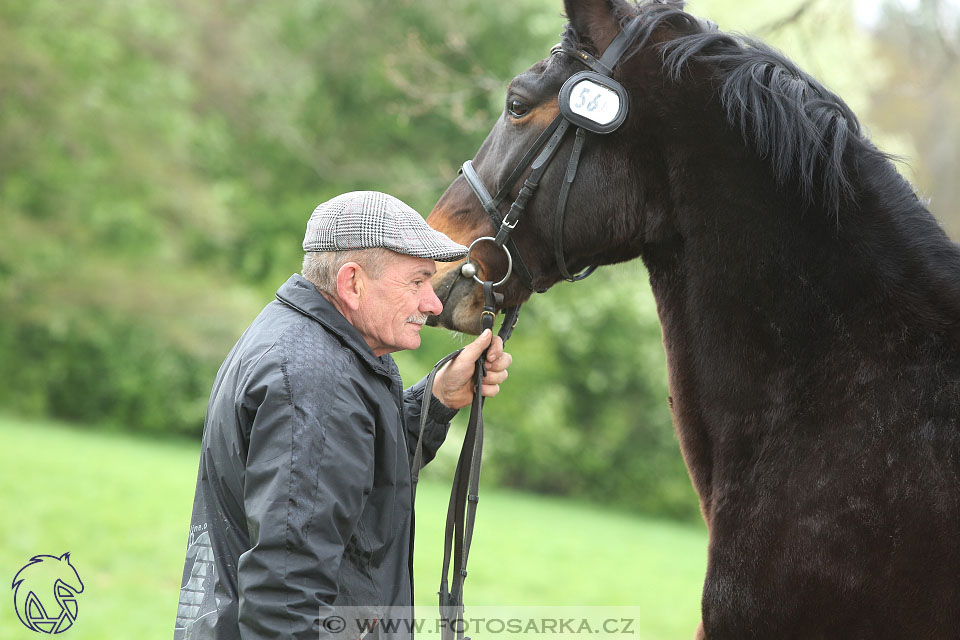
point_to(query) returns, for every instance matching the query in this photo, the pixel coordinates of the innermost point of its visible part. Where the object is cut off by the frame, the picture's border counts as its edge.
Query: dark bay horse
(810, 307)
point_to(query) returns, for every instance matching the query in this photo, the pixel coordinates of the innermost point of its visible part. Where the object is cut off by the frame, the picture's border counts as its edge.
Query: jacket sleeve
(309, 468)
(438, 421)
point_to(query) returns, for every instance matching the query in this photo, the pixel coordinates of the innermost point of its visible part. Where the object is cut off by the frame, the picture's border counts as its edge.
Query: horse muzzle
(461, 298)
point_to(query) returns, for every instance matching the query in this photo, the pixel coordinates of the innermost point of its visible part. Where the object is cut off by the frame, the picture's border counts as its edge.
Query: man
(304, 497)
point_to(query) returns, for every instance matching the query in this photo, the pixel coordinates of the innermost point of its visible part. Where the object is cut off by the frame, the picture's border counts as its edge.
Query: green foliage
(593, 399)
(112, 368)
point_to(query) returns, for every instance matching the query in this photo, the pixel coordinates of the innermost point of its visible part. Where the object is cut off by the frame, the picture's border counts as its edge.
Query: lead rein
(464, 494)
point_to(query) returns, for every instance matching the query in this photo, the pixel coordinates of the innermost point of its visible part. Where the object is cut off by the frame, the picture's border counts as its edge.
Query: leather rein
(464, 495)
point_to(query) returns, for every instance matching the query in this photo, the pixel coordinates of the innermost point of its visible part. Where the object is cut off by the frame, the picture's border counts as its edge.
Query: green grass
(121, 506)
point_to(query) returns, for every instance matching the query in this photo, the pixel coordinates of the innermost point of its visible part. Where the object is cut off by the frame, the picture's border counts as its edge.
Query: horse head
(619, 174)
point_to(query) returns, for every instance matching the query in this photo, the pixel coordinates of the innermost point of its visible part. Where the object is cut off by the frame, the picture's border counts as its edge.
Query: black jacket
(303, 496)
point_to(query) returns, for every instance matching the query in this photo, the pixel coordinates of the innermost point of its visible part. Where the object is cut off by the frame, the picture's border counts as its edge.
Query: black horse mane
(789, 118)
(812, 140)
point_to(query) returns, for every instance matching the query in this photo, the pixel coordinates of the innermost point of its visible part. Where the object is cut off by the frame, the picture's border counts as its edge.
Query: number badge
(593, 101)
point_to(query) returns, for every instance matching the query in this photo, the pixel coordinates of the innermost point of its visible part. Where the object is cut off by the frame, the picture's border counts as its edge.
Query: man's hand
(453, 385)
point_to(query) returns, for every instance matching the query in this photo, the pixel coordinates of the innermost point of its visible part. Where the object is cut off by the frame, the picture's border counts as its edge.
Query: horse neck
(759, 289)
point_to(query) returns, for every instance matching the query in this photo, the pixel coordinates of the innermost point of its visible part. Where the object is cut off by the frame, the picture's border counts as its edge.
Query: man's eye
(517, 109)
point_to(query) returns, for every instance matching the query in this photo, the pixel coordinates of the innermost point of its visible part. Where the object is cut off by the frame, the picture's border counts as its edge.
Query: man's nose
(429, 302)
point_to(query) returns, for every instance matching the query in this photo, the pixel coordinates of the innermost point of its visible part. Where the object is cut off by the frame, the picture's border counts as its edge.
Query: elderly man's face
(394, 307)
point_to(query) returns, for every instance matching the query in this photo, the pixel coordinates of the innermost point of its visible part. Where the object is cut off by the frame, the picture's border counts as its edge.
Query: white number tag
(594, 102)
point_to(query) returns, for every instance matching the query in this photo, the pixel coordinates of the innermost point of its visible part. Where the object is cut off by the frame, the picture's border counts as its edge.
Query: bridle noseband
(542, 151)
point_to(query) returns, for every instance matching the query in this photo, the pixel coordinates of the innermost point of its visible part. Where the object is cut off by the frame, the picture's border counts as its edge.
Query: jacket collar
(297, 292)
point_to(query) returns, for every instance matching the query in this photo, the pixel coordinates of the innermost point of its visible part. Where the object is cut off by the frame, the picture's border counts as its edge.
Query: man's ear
(350, 285)
(595, 20)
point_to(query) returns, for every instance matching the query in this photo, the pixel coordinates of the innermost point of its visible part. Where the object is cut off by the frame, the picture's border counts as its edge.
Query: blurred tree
(104, 220)
(920, 97)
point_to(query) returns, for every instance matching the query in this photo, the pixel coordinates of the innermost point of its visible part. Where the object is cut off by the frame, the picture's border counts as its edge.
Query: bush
(107, 371)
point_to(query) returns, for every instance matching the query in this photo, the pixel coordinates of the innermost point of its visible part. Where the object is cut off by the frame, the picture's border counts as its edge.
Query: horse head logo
(45, 593)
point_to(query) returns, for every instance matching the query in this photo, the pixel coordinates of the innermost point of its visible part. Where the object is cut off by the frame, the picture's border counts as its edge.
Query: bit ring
(469, 269)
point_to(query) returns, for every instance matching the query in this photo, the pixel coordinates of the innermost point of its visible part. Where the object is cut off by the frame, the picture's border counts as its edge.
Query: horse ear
(66, 556)
(595, 20)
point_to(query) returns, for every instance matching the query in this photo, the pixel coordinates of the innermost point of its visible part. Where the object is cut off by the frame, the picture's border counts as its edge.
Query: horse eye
(517, 109)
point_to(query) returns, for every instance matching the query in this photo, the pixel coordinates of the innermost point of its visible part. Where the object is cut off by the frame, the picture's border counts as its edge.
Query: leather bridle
(464, 495)
(537, 158)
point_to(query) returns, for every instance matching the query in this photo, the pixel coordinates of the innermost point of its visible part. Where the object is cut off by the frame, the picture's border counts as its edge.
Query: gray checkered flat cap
(369, 220)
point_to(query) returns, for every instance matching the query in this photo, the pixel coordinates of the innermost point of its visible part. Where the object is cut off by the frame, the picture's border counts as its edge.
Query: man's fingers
(496, 349)
(495, 376)
(489, 390)
(500, 363)
(473, 350)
